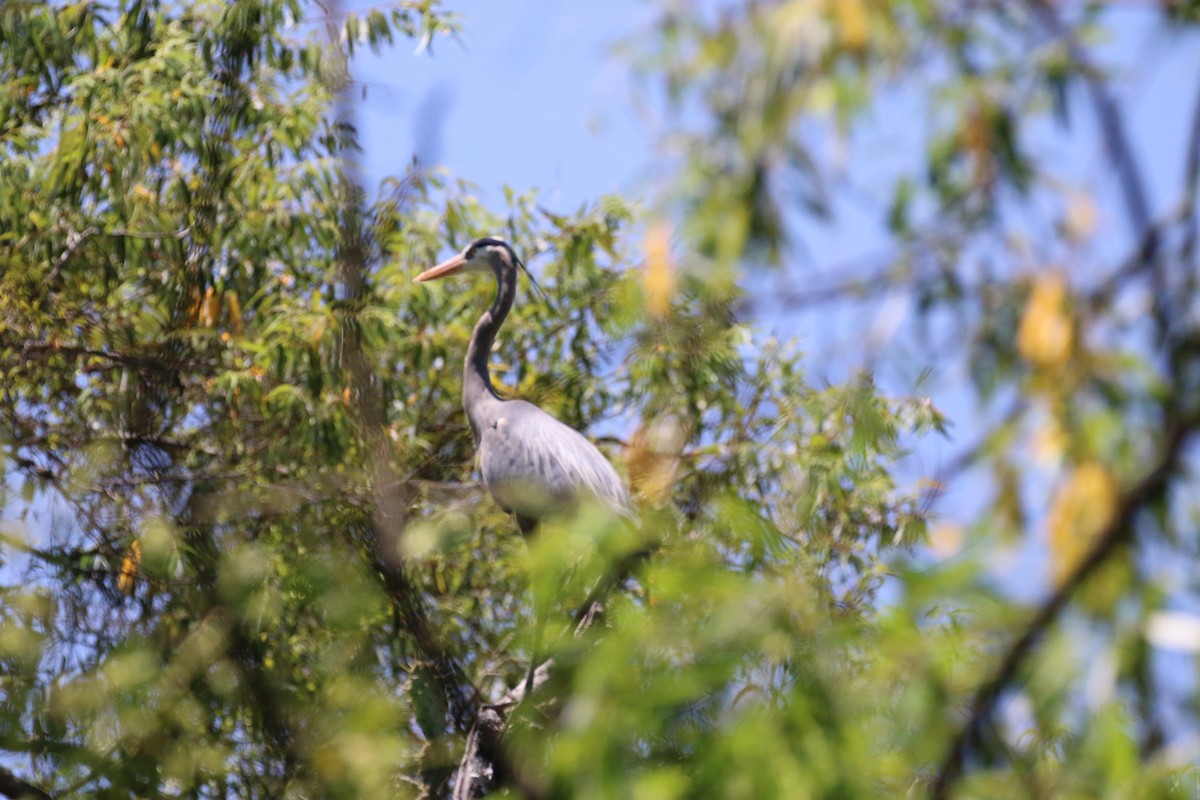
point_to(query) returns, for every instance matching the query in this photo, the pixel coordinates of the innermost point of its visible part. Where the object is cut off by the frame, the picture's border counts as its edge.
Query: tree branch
(13, 787)
(1118, 530)
(389, 514)
(477, 773)
(178, 235)
(1112, 127)
(457, 689)
(1191, 186)
(1124, 160)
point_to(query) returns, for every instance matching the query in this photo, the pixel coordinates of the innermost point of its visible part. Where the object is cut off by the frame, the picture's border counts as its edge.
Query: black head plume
(537, 286)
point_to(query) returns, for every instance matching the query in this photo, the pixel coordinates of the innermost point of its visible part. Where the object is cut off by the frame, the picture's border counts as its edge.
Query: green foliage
(268, 571)
(1084, 415)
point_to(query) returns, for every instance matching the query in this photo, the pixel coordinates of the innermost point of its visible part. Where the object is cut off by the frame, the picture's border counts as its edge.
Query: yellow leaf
(852, 23)
(652, 460)
(1044, 338)
(659, 275)
(977, 141)
(129, 568)
(208, 308)
(1083, 505)
(235, 312)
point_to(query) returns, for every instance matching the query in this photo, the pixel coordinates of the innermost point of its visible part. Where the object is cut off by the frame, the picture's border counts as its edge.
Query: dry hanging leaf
(852, 23)
(652, 460)
(659, 276)
(1045, 335)
(129, 568)
(1082, 507)
(235, 312)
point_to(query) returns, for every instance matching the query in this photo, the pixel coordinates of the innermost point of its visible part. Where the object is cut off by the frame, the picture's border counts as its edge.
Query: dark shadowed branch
(478, 772)
(389, 513)
(13, 787)
(1118, 531)
(1112, 126)
(1122, 157)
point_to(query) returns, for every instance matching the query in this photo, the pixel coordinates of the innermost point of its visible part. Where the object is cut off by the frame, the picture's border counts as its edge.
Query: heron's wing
(530, 460)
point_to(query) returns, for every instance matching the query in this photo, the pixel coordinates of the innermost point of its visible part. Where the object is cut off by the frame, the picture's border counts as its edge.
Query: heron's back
(530, 462)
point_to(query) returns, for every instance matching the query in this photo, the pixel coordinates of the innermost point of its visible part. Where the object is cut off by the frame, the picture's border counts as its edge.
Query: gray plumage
(531, 463)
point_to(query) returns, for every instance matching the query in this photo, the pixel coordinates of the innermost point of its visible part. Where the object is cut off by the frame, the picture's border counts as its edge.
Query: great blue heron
(531, 463)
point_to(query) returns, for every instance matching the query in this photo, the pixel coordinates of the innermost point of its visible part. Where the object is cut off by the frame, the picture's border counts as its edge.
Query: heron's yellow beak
(448, 267)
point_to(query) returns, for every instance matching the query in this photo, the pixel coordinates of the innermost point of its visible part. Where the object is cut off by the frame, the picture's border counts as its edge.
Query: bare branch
(75, 240)
(476, 772)
(1124, 160)
(391, 498)
(176, 235)
(17, 789)
(1191, 172)
(1118, 531)
(1112, 126)
(1137, 263)
(1191, 187)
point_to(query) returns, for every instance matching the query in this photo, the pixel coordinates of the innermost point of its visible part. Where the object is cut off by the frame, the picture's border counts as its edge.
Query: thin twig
(1191, 186)
(178, 235)
(75, 240)
(1102, 297)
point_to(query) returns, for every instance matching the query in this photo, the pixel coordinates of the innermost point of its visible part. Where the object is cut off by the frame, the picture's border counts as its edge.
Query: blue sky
(529, 95)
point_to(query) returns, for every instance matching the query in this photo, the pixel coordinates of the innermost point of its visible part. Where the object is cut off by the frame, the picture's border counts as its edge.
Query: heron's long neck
(477, 380)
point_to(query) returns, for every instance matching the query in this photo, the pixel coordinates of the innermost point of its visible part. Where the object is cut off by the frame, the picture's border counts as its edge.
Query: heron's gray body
(530, 462)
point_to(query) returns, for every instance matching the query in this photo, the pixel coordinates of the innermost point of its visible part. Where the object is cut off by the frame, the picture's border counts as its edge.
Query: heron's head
(482, 255)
